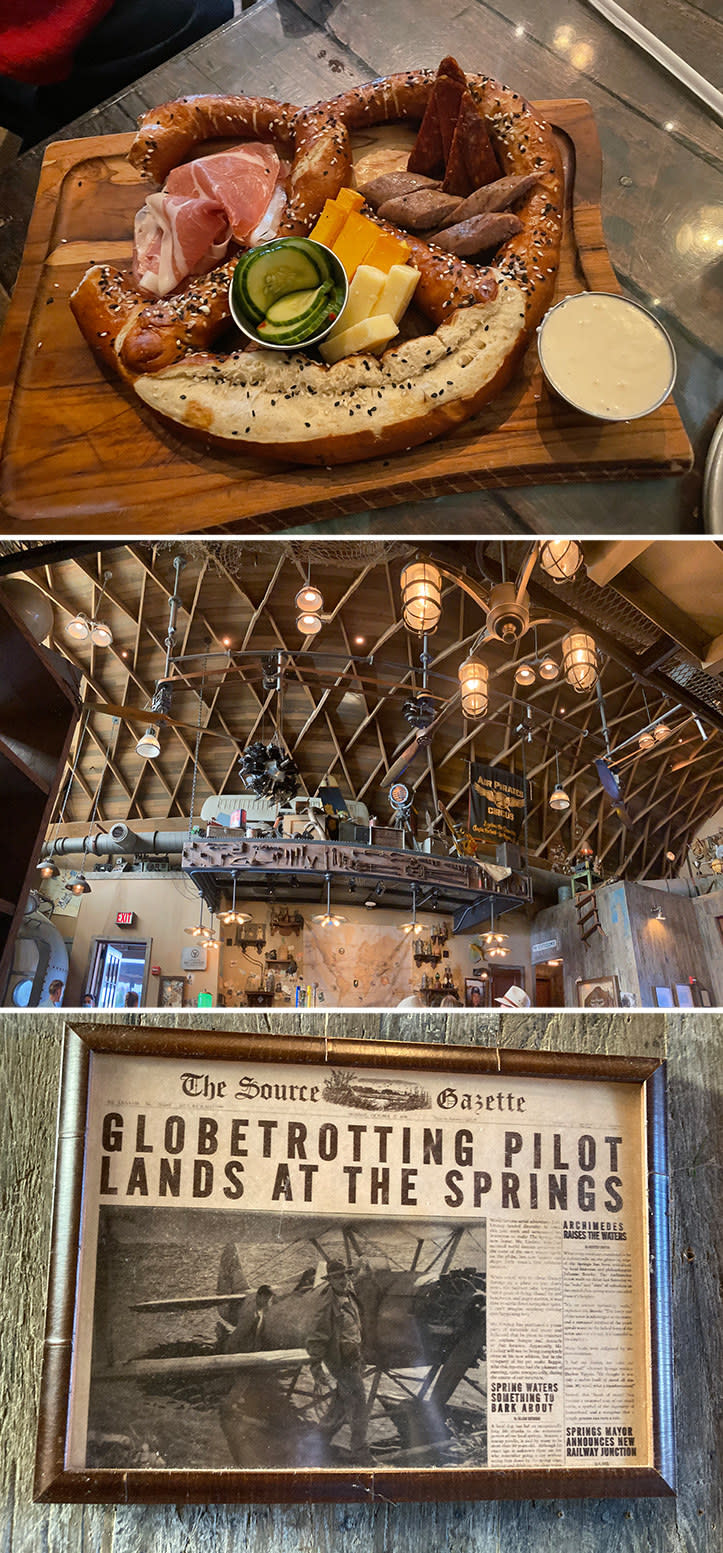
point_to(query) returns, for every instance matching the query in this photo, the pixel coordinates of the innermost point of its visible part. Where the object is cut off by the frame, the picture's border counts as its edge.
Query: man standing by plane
(335, 1340)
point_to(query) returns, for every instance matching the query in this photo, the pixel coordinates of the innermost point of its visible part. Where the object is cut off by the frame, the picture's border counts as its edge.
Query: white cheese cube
(399, 288)
(363, 292)
(371, 334)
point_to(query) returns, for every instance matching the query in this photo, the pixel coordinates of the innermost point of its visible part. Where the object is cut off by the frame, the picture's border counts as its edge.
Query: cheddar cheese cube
(350, 199)
(387, 251)
(355, 239)
(329, 224)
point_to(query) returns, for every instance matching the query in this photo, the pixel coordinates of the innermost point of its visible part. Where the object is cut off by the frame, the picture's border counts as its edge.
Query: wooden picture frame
(448, 1188)
(598, 992)
(171, 991)
(664, 997)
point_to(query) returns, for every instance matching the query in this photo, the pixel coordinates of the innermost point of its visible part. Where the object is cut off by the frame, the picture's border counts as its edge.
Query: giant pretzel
(287, 405)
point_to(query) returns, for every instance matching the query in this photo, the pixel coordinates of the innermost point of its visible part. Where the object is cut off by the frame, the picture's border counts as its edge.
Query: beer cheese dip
(606, 356)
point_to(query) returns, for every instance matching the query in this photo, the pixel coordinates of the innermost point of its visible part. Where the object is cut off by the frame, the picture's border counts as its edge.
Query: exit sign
(125, 919)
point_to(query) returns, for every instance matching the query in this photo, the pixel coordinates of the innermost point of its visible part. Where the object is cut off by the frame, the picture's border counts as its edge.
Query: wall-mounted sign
(125, 919)
(194, 957)
(545, 950)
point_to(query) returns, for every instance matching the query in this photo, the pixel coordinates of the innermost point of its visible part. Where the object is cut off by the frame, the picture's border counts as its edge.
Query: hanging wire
(199, 731)
(96, 799)
(71, 777)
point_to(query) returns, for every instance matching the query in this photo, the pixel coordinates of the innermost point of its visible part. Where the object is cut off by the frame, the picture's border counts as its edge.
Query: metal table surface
(661, 202)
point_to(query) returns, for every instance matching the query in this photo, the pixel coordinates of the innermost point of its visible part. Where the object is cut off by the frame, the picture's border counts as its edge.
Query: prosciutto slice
(186, 229)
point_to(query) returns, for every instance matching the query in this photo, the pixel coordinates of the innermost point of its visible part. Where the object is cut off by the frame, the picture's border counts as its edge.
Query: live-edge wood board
(81, 454)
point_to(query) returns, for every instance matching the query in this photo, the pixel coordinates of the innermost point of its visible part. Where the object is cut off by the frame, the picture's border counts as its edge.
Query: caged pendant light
(561, 559)
(579, 661)
(473, 677)
(421, 585)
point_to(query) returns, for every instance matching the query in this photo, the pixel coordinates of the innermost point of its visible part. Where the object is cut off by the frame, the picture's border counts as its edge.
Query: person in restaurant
(55, 992)
(515, 997)
(60, 58)
(335, 1340)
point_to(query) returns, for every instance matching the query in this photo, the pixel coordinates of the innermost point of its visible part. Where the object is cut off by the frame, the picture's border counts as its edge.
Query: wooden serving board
(82, 455)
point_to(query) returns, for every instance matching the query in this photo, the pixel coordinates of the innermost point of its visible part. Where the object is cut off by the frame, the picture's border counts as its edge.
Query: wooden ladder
(588, 921)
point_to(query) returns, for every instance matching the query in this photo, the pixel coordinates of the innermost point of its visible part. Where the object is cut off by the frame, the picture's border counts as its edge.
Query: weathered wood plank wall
(29, 1066)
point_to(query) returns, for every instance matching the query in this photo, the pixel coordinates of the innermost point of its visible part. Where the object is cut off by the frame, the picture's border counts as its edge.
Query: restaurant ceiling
(655, 609)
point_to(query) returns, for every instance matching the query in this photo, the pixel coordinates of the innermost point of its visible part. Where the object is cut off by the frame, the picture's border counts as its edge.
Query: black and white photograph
(252, 1340)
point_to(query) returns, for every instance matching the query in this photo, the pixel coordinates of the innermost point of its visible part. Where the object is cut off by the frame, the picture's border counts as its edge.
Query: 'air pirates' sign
(497, 805)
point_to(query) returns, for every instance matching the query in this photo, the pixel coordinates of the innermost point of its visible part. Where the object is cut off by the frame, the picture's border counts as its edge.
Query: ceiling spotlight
(80, 886)
(646, 741)
(309, 600)
(370, 903)
(561, 559)
(660, 732)
(579, 661)
(547, 668)
(421, 585)
(48, 870)
(525, 674)
(78, 629)
(148, 745)
(657, 914)
(308, 624)
(670, 857)
(100, 633)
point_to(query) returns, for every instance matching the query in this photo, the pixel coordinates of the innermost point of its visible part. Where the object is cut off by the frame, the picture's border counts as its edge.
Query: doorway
(117, 972)
(501, 979)
(549, 986)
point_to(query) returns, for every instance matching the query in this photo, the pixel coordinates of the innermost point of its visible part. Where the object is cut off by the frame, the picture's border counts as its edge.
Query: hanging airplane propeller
(136, 714)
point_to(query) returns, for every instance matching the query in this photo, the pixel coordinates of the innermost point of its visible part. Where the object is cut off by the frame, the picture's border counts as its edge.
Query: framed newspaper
(293, 1269)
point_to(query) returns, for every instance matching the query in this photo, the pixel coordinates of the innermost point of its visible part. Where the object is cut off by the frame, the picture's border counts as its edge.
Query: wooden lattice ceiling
(658, 608)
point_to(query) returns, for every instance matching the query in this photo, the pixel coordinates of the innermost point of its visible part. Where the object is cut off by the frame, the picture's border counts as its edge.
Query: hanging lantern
(309, 600)
(421, 585)
(80, 886)
(561, 559)
(525, 674)
(579, 661)
(473, 677)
